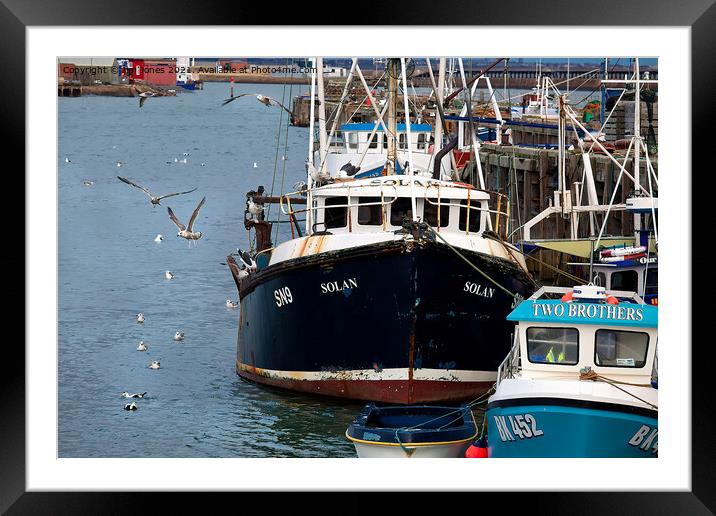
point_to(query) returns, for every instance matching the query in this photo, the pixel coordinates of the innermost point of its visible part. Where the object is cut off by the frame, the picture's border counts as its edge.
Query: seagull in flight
(154, 199)
(187, 231)
(266, 101)
(144, 96)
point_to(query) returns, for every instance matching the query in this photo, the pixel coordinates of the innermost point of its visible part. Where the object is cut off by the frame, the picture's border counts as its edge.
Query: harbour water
(110, 269)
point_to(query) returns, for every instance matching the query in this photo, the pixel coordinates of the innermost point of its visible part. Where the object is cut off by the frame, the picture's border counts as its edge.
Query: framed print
(175, 219)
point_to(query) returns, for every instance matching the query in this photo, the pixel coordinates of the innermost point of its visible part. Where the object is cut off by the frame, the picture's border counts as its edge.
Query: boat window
(474, 216)
(374, 142)
(430, 212)
(370, 215)
(352, 140)
(615, 348)
(335, 217)
(401, 208)
(402, 141)
(421, 140)
(625, 280)
(652, 282)
(338, 140)
(553, 345)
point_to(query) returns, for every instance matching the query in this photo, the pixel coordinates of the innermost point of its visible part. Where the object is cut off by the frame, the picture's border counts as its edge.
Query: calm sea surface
(110, 269)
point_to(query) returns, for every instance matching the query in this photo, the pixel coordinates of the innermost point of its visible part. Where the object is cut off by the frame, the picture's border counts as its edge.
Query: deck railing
(389, 199)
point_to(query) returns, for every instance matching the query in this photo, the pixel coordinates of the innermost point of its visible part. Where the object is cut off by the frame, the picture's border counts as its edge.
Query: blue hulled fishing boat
(580, 380)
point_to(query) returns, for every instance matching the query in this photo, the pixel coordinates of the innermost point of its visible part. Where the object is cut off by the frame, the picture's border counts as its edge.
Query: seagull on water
(154, 199)
(120, 163)
(125, 394)
(231, 304)
(154, 364)
(187, 231)
(158, 238)
(131, 406)
(203, 164)
(179, 336)
(168, 274)
(67, 160)
(142, 346)
(256, 165)
(87, 182)
(266, 101)
(140, 318)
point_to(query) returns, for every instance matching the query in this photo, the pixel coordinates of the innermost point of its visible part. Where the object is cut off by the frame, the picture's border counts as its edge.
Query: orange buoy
(567, 297)
(476, 452)
(612, 300)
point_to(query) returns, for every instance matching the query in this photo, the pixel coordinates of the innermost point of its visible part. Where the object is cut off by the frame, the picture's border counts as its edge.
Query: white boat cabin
(600, 330)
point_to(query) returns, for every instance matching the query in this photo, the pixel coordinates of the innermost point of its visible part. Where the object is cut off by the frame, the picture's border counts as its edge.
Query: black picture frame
(699, 15)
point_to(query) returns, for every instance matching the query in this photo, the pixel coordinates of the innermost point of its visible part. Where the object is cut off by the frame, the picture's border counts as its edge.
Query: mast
(310, 164)
(321, 113)
(409, 139)
(392, 121)
(637, 141)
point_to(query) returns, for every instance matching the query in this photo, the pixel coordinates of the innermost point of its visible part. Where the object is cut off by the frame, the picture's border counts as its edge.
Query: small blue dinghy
(420, 431)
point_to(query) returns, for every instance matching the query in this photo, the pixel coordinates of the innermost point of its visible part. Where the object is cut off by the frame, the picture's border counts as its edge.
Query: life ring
(611, 300)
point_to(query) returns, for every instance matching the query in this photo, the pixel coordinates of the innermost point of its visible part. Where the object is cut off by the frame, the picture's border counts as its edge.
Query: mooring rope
(588, 374)
(472, 264)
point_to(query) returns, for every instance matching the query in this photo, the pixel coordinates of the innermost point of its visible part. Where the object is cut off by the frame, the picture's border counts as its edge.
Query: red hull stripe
(384, 391)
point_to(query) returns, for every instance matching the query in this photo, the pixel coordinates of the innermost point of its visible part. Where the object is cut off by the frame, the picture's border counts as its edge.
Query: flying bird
(144, 96)
(154, 199)
(266, 101)
(187, 231)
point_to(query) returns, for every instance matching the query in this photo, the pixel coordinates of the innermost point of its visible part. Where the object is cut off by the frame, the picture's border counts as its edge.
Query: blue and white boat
(413, 431)
(580, 379)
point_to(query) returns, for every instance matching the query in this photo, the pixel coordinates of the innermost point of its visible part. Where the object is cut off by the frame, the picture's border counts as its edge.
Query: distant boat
(412, 431)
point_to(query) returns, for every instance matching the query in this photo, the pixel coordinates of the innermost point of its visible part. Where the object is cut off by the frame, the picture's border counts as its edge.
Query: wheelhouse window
(371, 215)
(625, 280)
(374, 141)
(352, 140)
(652, 282)
(399, 209)
(474, 214)
(422, 138)
(402, 141)
(338, 140)
(430, 212)
(553, 345)
(335, 217)
(616, 348)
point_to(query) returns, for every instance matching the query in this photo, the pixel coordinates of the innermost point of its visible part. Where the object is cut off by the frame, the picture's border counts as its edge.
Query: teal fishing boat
(580, 380)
